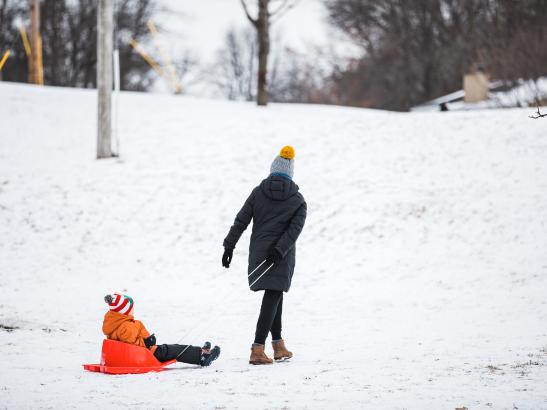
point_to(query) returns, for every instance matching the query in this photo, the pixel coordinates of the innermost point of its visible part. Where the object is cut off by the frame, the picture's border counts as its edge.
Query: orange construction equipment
(4, 59)
(125, 358)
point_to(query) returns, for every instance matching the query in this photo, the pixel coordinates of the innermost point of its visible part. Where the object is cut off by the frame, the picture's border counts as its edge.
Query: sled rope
(187, 346)
(222, 298)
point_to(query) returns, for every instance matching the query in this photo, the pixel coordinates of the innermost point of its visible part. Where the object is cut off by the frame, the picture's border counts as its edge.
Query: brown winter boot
(258, 356)
(280, 351)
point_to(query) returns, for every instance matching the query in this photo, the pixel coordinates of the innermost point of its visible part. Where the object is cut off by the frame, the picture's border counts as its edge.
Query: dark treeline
(69, 36)
(411, 51)
(414, 51)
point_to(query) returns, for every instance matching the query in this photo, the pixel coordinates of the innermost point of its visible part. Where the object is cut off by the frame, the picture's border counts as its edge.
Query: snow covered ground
(421, 278)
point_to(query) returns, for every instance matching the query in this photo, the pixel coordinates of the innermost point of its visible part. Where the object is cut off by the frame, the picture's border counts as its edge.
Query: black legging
(270, 316)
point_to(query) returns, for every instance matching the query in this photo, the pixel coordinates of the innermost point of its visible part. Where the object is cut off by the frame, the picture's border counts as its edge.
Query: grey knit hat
(284, 162)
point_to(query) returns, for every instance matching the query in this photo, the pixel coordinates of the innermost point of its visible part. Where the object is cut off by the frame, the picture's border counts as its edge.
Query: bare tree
(522, 60)
(262, 23)
(298, 77)
(234, 72)
(187, 68)
(414, 51)
(16, 67)
(69, 36)
(293, 76)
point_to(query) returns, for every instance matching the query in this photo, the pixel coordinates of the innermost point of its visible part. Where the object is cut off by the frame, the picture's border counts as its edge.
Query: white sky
(200, 25)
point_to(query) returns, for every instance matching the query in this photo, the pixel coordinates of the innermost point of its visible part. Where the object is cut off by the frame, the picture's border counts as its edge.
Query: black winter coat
(278, 211)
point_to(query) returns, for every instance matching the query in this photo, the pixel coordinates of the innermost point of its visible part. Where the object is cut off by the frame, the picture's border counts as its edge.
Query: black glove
(227, 257)
(273, 257)
(150, 341)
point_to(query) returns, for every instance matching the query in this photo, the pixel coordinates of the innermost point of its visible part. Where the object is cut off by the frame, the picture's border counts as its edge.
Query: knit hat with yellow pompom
(283, 165)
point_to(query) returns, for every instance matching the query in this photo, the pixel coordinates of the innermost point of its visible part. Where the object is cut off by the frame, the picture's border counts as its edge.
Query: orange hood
(113, 320)
(124, 328)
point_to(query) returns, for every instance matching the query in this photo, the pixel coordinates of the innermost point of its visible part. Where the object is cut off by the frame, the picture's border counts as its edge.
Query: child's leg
(183, 353)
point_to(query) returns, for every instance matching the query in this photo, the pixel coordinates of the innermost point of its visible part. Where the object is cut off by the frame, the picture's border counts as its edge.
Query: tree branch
(538, 115)
(253, 21)
(283, 4)
(283, 9)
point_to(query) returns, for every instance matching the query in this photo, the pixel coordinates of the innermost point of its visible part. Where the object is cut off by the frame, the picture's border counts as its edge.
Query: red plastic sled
(124, 358)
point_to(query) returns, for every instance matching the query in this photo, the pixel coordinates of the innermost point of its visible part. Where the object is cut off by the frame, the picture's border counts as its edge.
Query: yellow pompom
(287, 152)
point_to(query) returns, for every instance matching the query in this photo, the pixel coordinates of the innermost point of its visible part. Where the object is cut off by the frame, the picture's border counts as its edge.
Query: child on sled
(119, 324)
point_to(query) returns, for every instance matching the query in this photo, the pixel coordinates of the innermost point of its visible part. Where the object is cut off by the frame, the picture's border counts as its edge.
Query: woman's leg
(183, 353)
(276, 325)
(268, 310)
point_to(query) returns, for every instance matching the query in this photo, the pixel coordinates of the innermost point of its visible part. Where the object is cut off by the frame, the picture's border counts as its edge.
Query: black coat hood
(278, 188)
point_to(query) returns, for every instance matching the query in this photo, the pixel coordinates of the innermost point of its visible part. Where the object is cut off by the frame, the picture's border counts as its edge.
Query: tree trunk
(105, 18)
(263, 32)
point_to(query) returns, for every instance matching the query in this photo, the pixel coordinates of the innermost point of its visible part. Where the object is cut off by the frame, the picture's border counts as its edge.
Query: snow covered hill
(421, 278)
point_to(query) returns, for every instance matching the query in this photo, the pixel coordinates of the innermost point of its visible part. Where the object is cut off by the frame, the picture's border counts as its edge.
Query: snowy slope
(421, 278)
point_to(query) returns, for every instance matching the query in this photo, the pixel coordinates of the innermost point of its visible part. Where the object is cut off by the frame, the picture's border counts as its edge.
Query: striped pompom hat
(119, 303)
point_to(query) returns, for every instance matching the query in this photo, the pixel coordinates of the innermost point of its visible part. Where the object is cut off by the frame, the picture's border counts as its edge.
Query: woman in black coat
(278, 212)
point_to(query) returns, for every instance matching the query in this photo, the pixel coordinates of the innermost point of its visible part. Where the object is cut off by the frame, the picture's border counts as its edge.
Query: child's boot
(258, 356)
(208, 358)
(280, 351)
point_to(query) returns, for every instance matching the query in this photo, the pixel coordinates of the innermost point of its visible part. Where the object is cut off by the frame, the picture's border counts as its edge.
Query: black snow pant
(270, 316)
(192, 355)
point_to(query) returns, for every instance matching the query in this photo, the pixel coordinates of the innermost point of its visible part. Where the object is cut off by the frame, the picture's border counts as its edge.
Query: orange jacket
(124, 328)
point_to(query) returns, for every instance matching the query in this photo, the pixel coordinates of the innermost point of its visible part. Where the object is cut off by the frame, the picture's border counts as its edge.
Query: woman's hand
(227, 257)
(274, 257)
